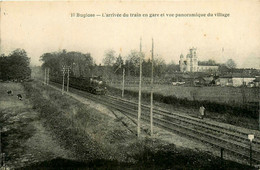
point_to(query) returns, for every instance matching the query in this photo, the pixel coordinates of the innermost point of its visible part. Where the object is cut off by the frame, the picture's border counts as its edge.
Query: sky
(40, 27)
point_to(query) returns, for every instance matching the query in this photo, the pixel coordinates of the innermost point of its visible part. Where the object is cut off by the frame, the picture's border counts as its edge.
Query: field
(229, 95)
(50, 130)
(232, 113)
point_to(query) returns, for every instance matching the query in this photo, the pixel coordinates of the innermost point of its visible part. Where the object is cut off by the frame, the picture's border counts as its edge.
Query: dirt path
(24, 139)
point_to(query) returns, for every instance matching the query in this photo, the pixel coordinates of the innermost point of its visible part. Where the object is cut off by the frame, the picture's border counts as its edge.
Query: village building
(190, 63)
(235, 80)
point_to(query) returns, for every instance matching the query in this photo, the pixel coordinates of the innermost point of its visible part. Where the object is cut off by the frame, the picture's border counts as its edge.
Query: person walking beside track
(202, 112)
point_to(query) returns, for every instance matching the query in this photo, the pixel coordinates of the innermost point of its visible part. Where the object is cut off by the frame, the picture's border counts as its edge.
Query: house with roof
(257, 81)
(235, 80)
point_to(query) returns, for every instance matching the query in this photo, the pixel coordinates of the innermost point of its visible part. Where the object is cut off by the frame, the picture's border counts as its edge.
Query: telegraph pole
(123, 86)
(68, 78)
(48, 76)
(47, 72)
(45, 76)
(259, 104)
(151, 109)
(259, 113)
(140, 92)
(63, 75)
(1, 147)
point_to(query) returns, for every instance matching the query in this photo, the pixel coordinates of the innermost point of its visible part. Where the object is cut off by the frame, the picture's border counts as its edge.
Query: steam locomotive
(93, 84)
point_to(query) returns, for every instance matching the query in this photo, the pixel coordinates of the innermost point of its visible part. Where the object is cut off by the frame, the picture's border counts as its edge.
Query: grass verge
(103, 142)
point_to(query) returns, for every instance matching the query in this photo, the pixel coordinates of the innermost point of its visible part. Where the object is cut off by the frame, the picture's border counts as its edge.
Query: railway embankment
(61, 130)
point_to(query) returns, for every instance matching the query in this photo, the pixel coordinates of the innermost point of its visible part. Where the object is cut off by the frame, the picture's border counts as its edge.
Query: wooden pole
(63, 77)
(45, 76)
(250, 153)
(68, 80)
(1, 147)
(123, 85)
(259, 113)
(47, 70)
(48, 76)
(140, 92)
(151, 108)
(221, 153)
(259, 105)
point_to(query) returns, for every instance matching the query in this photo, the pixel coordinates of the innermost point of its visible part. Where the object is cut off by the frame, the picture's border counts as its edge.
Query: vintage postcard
(130, 84)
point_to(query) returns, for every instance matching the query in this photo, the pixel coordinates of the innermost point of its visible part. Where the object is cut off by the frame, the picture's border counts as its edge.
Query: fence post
(3, 158)
(250, 153)
(221, 153)
(1, 147)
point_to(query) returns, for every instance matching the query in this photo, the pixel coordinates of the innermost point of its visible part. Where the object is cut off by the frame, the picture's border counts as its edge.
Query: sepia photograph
(125, 84)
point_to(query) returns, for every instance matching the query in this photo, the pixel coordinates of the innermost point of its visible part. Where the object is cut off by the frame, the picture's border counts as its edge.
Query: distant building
(207, 68)
(235, 80)
(257, 81)
(207, 81)
(190, 63)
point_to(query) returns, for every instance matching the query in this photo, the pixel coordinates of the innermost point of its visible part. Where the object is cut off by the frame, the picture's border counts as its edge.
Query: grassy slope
(24, 139)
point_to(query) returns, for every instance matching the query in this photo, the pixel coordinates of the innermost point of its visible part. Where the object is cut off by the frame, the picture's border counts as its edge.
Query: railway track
(233, 141)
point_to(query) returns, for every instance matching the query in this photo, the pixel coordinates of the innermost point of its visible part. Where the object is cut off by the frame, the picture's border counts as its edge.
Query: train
(93, 84)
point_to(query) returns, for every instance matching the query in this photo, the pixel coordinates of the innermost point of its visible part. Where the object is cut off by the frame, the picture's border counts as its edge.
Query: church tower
(181, 63)
(193, 60)
(190, 62)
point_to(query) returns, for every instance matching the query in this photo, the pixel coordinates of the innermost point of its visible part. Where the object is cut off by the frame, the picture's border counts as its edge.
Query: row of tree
(77, 63)
(83, 64)
(132, 61)
(15, 66)
(132, 64)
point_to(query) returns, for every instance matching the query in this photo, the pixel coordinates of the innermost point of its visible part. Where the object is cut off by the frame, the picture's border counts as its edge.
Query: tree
(231, 64)
(172, 67)
(15, 65)
(80, 64)
(208, 63)
(4, 68)
(223, 69)
(133, 62)
(159, 66)
(117, 67)
(110, 58)
(147, 68)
